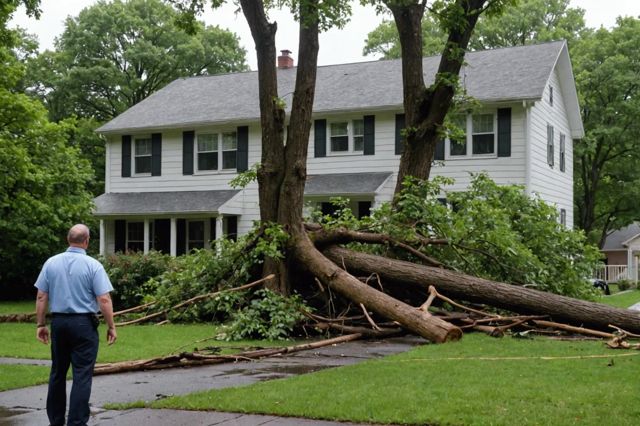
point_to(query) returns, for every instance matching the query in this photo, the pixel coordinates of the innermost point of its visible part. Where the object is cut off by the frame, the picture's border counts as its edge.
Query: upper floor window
(209, 156)
(550, 147)
(142, 155)
(551, 95)
(478, 137)
(346, 136)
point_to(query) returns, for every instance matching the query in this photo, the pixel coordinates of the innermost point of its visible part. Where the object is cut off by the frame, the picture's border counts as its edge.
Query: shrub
(625, 285)
(133, 276)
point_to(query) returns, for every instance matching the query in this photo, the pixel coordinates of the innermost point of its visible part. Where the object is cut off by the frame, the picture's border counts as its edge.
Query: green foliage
(267, 315)
(496, 232)
(134, 275)
(115, 54)
(245, 178)
(531, 21)
(606, 173)
(42, 180)
(625, 285)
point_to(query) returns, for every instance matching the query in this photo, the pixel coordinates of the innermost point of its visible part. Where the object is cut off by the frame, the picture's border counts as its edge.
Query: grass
(18, 307)
(18, 376)
(621, 300)
(477, 381)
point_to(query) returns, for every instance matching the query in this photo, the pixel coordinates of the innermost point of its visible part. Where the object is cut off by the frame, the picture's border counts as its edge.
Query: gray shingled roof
(615, 239)
(345, 184)
(509, 74)
(134, 203)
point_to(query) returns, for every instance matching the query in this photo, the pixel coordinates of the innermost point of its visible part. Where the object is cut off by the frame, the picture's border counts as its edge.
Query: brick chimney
(285, 60)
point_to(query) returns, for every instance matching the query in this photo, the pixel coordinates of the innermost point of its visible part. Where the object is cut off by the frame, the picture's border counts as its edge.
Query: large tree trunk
(500, 295)
(426, 108)
(412, 319)
(272, 121)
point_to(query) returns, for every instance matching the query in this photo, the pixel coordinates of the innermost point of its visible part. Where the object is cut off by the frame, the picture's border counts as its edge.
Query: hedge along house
(170, 158)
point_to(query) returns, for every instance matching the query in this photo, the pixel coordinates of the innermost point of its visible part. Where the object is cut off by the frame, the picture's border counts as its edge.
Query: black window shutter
(126, 155)
(181, 237)
(504, 132)
(187, 152)
(242, 153)
(320, 138)
(369, 135)
(399, 138)
(120, 236)
(156, 154)
(439, 154)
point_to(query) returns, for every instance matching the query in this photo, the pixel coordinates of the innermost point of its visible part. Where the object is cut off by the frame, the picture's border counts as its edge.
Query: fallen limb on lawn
(189, 359)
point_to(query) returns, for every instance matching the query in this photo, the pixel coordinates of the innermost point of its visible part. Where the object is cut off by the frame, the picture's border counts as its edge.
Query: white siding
(553, 186)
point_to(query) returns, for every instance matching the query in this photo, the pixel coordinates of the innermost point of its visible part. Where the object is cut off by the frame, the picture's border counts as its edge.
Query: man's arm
(42, 332)
(106, 307)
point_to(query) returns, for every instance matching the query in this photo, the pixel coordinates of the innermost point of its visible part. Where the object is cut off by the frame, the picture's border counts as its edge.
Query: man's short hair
(78, 234)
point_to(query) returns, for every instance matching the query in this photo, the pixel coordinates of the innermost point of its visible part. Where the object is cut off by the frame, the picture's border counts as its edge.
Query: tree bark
(500, 295)
(426, 108)
(411, 318)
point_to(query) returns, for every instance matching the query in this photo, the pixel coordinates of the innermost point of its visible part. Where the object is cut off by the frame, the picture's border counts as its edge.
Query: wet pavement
(26, 406)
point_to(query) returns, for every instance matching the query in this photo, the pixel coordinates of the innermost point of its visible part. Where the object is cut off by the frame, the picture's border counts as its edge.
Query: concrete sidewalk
(26, 406)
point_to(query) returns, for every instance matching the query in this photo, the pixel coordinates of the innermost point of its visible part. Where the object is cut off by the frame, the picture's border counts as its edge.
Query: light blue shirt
(73, 280)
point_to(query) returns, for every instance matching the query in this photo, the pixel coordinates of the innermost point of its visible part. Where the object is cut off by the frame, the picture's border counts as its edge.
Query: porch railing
(611, 273)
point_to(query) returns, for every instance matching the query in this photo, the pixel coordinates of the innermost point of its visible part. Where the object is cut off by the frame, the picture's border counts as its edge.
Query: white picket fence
(611, 273)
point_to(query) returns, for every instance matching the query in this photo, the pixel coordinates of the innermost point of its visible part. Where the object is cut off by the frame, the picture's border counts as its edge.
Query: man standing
(75, 285)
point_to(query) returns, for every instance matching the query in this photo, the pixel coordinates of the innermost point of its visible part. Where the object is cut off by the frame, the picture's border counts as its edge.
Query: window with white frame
(483, 135)
(550, 148)
(195, 234)
(458, 144)
(478, 136)
(215, 149)
(142, 155)
(346, 136)
(563, 217)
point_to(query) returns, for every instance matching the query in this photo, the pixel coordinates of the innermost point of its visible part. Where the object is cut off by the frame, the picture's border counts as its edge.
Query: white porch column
(174, 237)
(146, 236)
(219, 229)
(103, 238)
(630, 263)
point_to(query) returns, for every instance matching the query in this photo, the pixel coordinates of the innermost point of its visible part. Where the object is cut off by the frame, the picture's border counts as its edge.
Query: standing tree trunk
(426, 108)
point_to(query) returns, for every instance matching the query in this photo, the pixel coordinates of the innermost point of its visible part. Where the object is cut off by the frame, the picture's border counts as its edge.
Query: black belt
(72, 314)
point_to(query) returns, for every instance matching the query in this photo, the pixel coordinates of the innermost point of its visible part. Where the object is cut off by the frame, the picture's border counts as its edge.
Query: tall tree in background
(606, 172)
(533, 21)
(115, 54)
(42, 179)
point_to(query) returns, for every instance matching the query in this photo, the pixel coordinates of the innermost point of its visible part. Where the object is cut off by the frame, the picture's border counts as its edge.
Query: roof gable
(500, 75)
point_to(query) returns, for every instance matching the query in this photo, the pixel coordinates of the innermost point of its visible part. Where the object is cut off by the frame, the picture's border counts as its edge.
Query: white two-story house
(169, 159)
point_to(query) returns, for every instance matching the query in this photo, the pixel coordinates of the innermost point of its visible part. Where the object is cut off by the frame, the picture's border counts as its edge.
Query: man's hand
(42, 334)
(111, 335)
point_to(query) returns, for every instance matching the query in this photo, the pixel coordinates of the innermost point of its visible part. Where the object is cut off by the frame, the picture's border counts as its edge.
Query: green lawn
(18, 307)
(621, 300)
(477, 381)
(18, 376)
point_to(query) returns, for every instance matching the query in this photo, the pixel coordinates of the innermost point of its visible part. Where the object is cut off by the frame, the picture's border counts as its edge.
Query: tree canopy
(531, 21)
(606, 174)
(42, 179)
(115, 54)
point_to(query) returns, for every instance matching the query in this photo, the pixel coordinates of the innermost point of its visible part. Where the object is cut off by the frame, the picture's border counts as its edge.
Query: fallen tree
(473, 289)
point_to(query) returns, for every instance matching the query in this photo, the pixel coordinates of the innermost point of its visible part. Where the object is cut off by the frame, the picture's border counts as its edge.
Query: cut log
(188, 359)
(413, 319)
(500, 295)
(18, 317)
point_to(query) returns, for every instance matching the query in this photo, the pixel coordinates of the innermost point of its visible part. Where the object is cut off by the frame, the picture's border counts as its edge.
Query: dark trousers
(74, 340)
